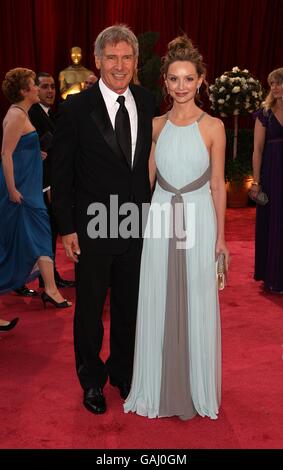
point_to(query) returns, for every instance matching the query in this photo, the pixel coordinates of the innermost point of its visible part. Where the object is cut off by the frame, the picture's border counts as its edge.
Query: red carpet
(41, 398)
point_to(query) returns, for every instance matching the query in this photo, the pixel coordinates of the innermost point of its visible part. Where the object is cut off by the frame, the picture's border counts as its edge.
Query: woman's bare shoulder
(159, 120)
(16, 114)
(158, 123)
(214, 122)
(15, 118)
(214, 128)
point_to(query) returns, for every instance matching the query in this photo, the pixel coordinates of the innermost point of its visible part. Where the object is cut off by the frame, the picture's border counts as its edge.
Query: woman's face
(276, 88)
(31, 93)
(182, 81)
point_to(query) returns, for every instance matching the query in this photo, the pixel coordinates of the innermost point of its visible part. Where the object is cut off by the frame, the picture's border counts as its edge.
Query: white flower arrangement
(235, 92)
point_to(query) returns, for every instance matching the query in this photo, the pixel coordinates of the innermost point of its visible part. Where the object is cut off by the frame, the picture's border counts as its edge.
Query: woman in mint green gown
(177, 364)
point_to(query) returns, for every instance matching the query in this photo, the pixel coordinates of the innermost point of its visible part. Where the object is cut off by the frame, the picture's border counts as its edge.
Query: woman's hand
(48, 193)
(16, 196)
(222, 248)
(43, 154)
(255, 188)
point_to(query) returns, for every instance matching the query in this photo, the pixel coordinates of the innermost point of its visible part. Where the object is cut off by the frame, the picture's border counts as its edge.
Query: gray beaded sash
(175, 390)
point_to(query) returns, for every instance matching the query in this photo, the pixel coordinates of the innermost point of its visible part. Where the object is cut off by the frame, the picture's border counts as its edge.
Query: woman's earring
(198, 90)
(168, 98)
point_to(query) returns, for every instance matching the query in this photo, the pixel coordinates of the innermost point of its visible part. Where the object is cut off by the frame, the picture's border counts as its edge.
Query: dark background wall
(39, 33)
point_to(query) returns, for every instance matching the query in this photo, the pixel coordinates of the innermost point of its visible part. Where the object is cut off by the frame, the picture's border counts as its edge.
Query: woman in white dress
(177, 365)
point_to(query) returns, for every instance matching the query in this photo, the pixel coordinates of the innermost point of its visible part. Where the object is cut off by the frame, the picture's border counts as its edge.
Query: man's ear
(97, 62)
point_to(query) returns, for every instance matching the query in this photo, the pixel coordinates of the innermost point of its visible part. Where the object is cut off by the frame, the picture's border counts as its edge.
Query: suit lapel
(101, 119)
(47, 119)
(52, 119)
(141, 124)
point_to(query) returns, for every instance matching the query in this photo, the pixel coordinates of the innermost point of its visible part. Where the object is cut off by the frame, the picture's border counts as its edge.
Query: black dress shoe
(26, 292)
(61, 283)
(94, 400)
(271, 290)
(124, 387)
(10, 325)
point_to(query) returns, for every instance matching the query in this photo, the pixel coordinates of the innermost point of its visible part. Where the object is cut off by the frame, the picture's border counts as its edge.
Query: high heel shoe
(46, 298)
(10, 325)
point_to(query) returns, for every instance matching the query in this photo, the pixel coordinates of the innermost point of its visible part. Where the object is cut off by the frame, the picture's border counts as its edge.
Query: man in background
(43, 119)
(90, 81)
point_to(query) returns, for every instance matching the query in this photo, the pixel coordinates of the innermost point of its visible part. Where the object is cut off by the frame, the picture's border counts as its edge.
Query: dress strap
(201, 116)
(165, 117)
(19, 107)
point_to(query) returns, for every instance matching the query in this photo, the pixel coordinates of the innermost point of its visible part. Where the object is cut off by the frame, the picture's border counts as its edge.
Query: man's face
(46, 91)
(90, 81)
(117, 65)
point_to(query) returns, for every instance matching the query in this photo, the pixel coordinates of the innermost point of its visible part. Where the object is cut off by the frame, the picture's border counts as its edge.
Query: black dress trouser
(94, 275)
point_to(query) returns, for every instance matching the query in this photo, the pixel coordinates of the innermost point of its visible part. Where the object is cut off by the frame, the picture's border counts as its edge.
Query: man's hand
(43, 154)
(71, 245)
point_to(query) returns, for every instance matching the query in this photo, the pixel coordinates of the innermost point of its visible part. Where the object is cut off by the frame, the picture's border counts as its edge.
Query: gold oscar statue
(73, 77)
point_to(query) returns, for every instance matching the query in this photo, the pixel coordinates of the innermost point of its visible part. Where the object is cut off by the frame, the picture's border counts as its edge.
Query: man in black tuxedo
(101, 150)
(43, 119)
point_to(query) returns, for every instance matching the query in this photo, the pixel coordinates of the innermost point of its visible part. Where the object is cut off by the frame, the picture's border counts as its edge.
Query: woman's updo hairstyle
(182, 49)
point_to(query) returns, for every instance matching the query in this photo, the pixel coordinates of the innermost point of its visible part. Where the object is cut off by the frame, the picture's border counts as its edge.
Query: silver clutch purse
(261, 197)
(221, 272)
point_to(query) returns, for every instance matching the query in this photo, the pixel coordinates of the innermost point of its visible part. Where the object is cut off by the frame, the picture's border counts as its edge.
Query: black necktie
(51, 114)
(123, 130)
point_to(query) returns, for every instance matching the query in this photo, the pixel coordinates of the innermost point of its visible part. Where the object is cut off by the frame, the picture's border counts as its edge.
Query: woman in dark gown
(25, 238)
(268, 176)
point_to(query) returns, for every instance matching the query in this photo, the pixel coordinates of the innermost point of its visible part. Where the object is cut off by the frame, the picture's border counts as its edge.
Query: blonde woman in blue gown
(177, 365)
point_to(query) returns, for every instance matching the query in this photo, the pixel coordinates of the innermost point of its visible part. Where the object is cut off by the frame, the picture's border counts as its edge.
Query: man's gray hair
(113, 35)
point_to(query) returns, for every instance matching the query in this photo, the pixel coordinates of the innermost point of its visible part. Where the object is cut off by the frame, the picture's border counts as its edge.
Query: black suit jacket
(43, 124)
(88, 165)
